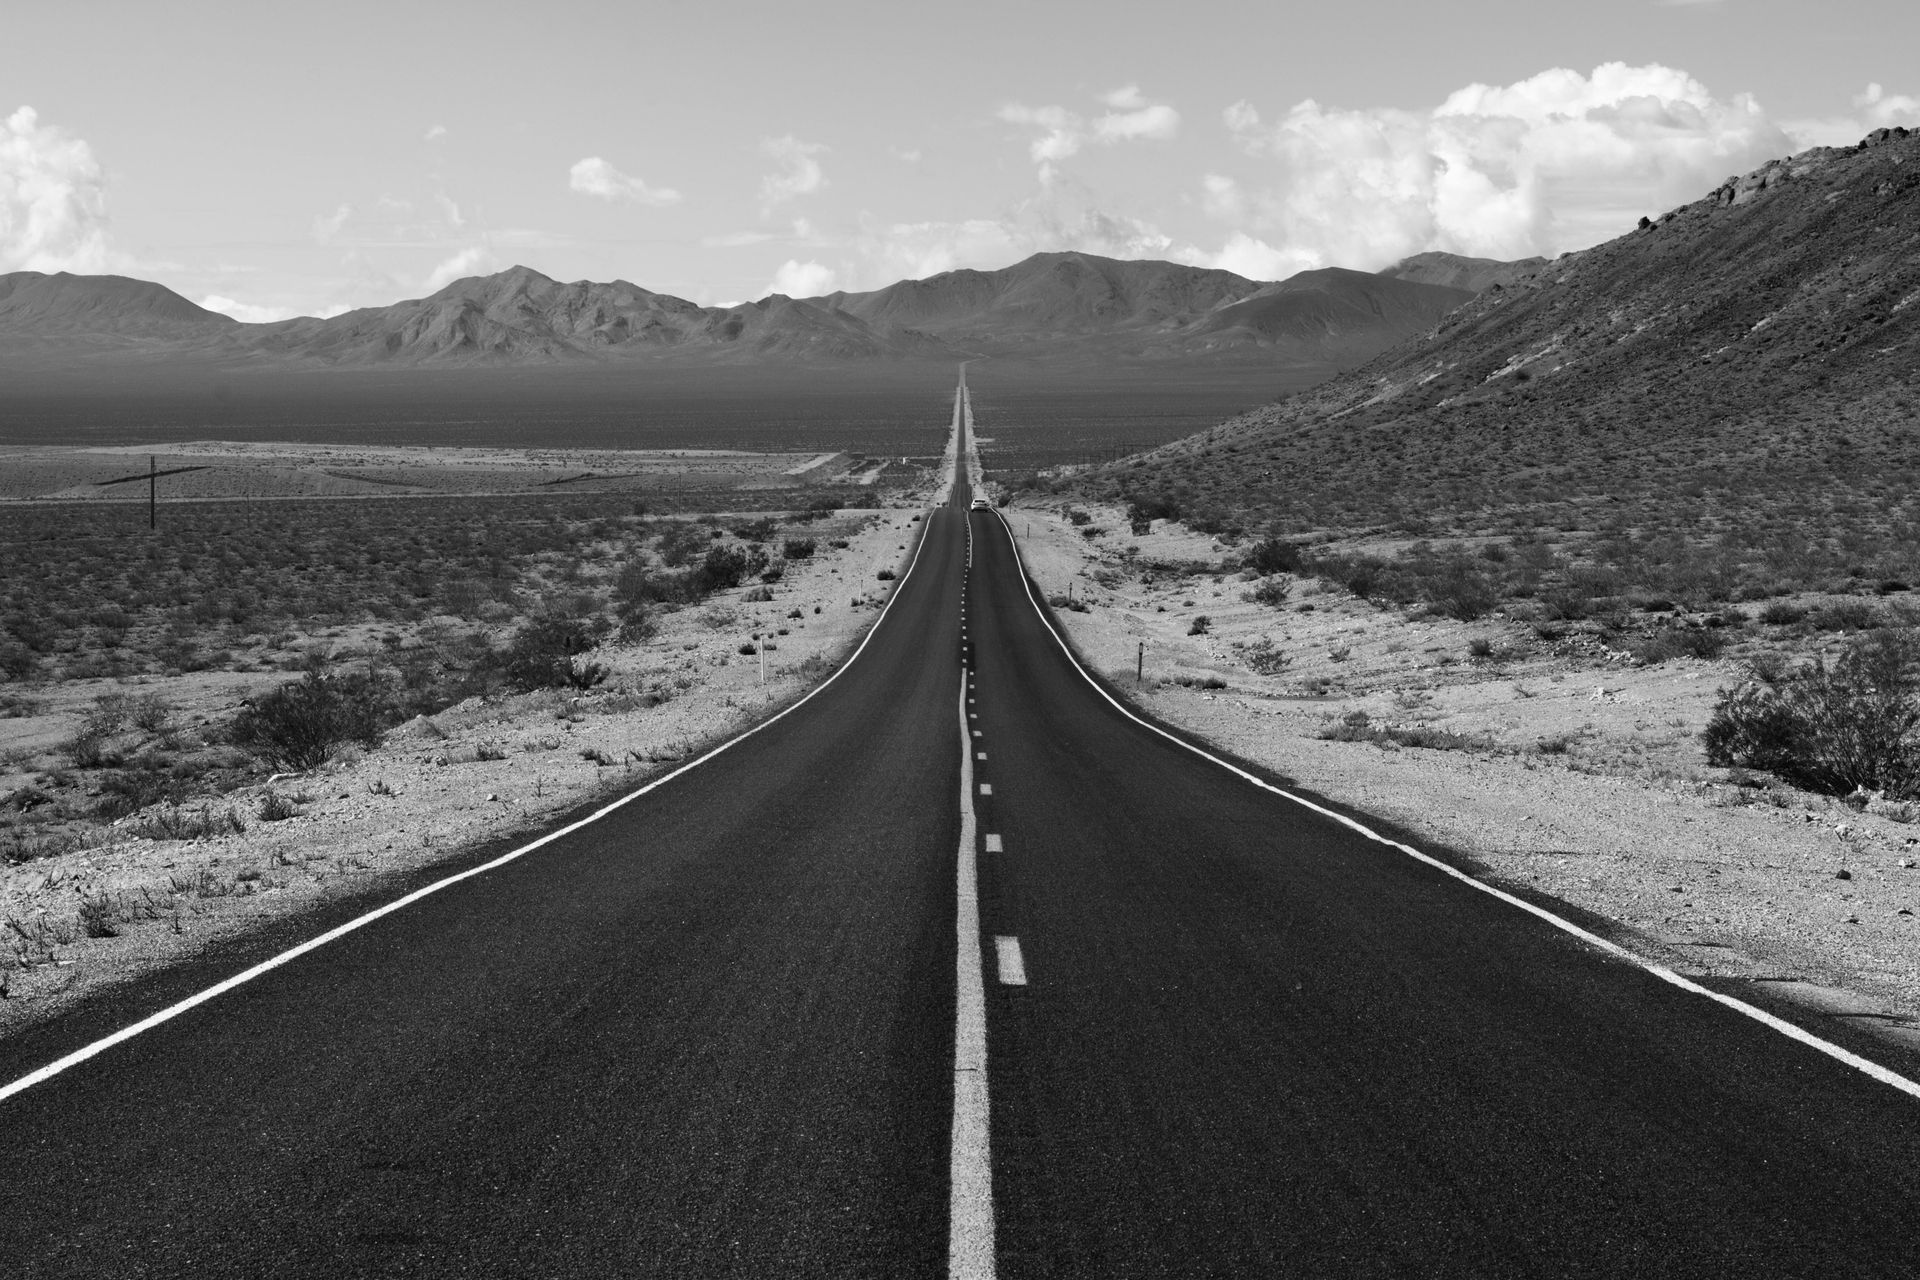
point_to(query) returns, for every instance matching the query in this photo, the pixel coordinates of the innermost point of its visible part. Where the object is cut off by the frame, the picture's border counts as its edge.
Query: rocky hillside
(1741, 373)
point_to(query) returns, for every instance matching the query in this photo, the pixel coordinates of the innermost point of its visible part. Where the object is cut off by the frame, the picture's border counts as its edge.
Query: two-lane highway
(956, 968)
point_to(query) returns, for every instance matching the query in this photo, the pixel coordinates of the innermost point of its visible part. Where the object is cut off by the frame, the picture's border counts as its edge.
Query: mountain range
(1741, 373)
(1052, 306)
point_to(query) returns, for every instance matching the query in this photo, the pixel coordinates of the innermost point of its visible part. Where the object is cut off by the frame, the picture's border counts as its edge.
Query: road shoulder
(1564, 779)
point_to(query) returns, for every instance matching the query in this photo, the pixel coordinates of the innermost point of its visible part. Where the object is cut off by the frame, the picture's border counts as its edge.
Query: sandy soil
(476, 771)
(1589, 783)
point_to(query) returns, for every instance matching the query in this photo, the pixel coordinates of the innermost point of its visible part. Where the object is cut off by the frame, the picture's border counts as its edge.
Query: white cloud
(1557, 161)
(1248, 256)
(799, 173)
(801, 280)
(435, 133)
(248, 313)
(1241, 118)
(1222, 198)
(1059, 219)
(1061, 133)
(1873, 108)
(53, 200)
(450, 209)
(469, 261)
(595, 177)
(1881, 110)
(1156, 122)
(327, 226)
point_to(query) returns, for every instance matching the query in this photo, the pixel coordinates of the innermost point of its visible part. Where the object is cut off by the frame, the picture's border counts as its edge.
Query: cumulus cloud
(595, 177)
(914, 250)
(1873, 108)
(802, 280)
(1881, 110)
(1061, 133)
(1158, 122)
(326, 226)
(1241, 118)
(53, 200)
(799, 173)
(248, 313)
(472, 260)
(1061, 218)
(1222, 198)
(1252, 257)
(435, 133)
(1557, 161)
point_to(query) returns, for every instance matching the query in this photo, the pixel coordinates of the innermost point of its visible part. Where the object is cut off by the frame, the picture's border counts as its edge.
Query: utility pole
(1140, 665)
(153, 493)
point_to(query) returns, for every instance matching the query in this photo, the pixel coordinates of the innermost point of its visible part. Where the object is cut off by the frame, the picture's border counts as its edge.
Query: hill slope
(521, 316)
(63, 303)
(1740, 375)
(1050, 294)
(1336, 313)
(1475, 275)
(1051, 306)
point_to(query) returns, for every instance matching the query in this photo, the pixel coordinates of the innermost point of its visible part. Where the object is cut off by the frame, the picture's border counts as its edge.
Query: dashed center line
(1013, 970)
(986, 788)
(994, 845)
(980, 755)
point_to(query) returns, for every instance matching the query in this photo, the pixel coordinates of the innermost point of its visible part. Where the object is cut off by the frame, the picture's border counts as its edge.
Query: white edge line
(1791, 1030)
(148, 1023)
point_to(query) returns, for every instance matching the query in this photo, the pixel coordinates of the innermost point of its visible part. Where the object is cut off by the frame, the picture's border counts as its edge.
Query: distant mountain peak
(1064, 304)
(1455, 271)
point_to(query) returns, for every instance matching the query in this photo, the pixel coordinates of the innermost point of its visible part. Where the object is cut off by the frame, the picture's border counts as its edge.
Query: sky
(277, 160)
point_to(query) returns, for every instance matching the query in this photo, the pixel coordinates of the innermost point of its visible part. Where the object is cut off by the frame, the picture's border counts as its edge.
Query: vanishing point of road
(953, 969)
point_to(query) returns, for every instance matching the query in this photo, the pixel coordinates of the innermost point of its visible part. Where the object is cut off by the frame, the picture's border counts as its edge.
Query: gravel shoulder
(1570, 774)
(435, 788)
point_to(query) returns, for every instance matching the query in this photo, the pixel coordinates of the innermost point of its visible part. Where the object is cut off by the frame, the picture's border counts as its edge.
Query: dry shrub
(1835, 730)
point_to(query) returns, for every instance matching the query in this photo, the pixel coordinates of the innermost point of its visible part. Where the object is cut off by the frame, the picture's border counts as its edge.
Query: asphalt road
(713, 1034)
